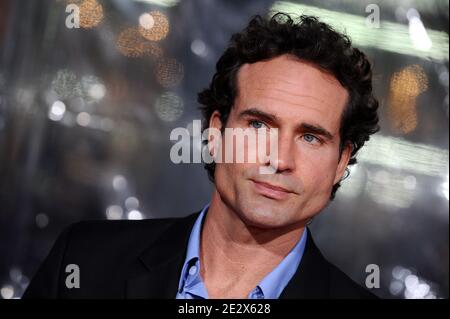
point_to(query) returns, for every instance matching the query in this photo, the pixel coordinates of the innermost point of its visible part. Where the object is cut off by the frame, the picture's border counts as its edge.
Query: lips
(271, 191)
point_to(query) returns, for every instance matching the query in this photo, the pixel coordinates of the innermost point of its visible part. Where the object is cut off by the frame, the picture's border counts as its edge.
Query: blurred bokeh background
(86, 114)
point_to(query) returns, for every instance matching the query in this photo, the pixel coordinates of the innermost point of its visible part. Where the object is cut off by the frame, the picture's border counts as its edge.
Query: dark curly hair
(309, 40)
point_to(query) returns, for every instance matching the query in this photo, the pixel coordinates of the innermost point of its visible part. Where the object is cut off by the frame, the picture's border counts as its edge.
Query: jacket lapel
(311, 280)
(161, 263)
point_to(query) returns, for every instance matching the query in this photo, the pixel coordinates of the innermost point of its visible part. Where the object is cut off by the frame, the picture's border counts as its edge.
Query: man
(300, 78)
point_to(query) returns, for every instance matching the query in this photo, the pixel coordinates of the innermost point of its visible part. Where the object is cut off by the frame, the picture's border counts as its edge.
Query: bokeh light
(132, 203)
(114, 212)
(396, 287)
(154, 25)
(42, 220)
(169, 107)
(92, 87)
(146, 21)
(66, 85)
(405, 87)
(57, 111)
(407, 284)
(7, 292)
(169, 72)
(198, 47)
(91, 13)
(130, 43)
(83, 119)
(135, 215)
(152, 49)
(119, 183)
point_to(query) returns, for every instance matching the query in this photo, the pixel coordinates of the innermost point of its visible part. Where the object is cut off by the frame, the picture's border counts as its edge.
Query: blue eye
(256, 124)
(310, 138)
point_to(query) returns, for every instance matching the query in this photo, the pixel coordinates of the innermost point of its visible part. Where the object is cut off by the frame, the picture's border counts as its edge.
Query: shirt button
(193, 270)
(256, 294)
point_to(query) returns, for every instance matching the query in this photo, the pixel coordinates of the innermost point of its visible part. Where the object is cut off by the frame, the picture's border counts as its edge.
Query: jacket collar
(312, 279)
(162, 261)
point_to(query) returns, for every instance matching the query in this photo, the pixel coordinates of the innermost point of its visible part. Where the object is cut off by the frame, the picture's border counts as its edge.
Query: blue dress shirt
(191, 285)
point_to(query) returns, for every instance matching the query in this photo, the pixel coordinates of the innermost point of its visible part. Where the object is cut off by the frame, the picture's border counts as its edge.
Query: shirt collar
(271, 285)
(193, 252)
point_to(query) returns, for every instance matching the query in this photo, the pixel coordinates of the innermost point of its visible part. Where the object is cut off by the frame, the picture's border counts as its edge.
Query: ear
(214, 120)
(343, 162)
(215, 126)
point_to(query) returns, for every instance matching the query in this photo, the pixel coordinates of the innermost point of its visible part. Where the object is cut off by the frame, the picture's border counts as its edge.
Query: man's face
(305, 105)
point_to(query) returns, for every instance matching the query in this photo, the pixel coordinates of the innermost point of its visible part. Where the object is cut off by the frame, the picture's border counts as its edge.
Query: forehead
(287, 87)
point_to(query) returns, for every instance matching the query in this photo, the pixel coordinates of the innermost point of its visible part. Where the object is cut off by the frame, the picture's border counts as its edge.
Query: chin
(264, 218)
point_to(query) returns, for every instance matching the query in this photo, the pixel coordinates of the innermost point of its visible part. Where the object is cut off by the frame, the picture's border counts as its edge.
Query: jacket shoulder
(317, 278)
(112, 238)
(342, 286)
(102, 250)
(121, 230)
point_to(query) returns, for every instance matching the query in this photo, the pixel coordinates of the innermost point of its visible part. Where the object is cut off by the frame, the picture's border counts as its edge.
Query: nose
(282, 155)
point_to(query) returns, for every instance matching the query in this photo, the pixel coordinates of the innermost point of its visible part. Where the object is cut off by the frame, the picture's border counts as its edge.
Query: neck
(235, 255)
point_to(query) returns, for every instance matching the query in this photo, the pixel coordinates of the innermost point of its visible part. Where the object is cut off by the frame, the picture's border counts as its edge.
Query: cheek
(318, 172)
(226, 175)
(318, 178)
(229, 182)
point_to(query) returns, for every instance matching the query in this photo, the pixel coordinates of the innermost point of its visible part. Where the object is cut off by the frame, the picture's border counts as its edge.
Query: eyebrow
(273, 119)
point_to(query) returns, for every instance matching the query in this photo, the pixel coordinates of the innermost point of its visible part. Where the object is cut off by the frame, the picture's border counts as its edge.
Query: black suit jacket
(143, 259)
